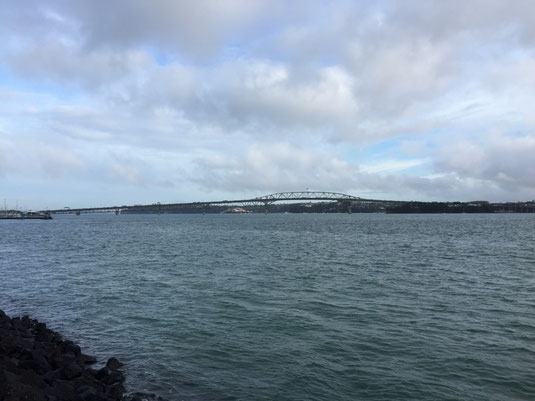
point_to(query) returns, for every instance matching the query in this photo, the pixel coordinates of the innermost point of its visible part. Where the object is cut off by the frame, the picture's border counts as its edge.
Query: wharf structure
(19, 215)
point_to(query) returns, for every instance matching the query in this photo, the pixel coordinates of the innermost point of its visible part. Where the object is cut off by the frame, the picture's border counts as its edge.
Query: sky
(132, 102)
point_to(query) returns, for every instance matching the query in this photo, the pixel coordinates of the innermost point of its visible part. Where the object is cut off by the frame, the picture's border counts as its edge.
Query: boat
(238, 210)
(31, 214)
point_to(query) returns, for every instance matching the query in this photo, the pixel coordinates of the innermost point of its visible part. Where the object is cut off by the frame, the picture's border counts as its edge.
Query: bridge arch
(306, 195)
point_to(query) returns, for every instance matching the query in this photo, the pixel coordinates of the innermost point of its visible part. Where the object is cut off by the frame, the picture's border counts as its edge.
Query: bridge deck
(258, 201)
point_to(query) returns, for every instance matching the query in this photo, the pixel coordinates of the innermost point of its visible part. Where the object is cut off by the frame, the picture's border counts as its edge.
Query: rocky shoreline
(37, 364)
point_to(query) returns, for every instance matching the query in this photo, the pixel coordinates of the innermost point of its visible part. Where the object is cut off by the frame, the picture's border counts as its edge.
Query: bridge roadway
(259, 201)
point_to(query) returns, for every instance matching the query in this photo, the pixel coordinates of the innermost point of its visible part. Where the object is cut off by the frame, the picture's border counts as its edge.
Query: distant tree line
(441, 207)
(463, 207)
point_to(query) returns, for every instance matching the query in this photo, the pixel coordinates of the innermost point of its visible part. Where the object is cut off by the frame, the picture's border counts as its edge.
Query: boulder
(115, 391)
(37, 364)
(87, 393)
(113, 363)
(71, 370)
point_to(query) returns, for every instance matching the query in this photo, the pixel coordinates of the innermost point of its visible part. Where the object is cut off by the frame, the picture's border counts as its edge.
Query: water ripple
(288, 307)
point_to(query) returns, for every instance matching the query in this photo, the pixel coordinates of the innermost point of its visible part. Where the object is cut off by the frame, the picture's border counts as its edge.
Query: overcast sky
(132, 101)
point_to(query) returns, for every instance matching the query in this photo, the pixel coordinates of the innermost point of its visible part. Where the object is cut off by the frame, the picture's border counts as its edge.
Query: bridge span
(266, 200)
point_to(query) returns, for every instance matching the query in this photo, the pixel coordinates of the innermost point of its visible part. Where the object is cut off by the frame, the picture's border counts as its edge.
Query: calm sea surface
(288, 307)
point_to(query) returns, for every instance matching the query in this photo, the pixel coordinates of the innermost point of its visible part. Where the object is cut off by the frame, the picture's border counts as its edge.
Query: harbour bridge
(266, 200)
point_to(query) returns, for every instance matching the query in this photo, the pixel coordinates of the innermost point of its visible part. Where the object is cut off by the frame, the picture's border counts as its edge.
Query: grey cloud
(197, 28)
(249, 95)
(398, 58)
(125, 23)
(39, 159)
(278, 167)
(163, 76)
(505, 161)
(491, 18)
(67, 64)
(405, 55)
(274, 167)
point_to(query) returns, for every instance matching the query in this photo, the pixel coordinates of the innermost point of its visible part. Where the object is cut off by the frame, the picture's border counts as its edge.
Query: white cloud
(39, 159)
(267, 96)
(69, 64)
(267, 168)
(506, 161)
(275, 167)
(197, 28)
(264, 94)
(390, 166)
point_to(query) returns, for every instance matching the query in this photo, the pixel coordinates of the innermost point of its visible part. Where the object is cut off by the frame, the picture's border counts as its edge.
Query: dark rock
(43, 336)
(19, 392)
(8, 364)
(12, 388)
(25, 321)
(38, 353)
(40, 327)
(40, 362)
(15, 345)
(52, 375)
(115, 376)
(87, 393)
(25, 333)
(8, 378)
(4, 323)
(113, 363)
(102, 373)
(89, 374)
(86, 359)
(25, 354)
(16, 323)
(36, 364)
(71, 370)
(9, 343)
(25, 364)
(64, 390)
(109, 376)
(59, 360)
(30, 378)
(115, 391)
(70, 347)
(56, 337)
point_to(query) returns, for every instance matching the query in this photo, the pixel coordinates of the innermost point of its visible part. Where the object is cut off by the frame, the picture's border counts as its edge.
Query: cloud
(506, 161)
(268, 95)
(389, 166)
(259, 97)
(401, 99)
(177, 26)
(38, 159)
(67, 64)
(273, 167)
(266, 168)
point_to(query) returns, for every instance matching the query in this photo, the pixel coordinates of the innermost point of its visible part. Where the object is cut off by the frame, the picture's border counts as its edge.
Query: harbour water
(288, 307)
